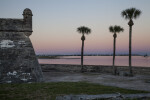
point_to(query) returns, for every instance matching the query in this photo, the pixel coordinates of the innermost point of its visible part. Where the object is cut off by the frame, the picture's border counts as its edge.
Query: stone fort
(18, 62)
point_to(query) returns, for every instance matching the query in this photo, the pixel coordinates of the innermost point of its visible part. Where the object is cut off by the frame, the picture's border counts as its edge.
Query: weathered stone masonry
(18, 62)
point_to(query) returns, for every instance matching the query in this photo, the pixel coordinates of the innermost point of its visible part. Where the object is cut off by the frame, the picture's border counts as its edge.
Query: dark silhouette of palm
(130, 14)
(115, 29)
(83, 30)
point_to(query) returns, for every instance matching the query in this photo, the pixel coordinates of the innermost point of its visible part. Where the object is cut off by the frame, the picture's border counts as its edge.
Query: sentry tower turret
(27, 18)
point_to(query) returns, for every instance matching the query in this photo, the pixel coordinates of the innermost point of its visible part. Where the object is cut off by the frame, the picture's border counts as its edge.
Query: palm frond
(84, 30)
(137, 13)
(111, 29)
(124, 14)
(131, 13)
(116, 29)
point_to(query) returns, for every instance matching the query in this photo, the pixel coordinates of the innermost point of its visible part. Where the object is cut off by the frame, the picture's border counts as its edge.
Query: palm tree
(115, 29)
(130, 14)
(83, 30)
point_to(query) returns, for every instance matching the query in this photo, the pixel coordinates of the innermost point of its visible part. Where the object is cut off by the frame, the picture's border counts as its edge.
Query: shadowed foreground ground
(53, 90)
(60, 84)
(138, 82)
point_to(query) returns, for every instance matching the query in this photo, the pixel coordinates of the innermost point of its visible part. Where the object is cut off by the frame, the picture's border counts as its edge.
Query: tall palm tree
(83, 30)
(130, 14)
(115, 29)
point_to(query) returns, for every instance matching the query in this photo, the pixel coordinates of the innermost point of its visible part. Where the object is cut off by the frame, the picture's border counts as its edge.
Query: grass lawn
(48, 91)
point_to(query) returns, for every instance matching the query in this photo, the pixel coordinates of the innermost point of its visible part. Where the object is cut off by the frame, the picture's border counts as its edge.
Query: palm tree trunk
(130, 49)
(82, 51)
(114, 53)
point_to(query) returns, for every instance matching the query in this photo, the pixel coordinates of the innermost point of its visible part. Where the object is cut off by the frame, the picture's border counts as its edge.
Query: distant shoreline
(61, 56)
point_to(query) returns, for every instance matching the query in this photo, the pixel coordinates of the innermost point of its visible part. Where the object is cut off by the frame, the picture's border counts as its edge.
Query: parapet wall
(93, 68)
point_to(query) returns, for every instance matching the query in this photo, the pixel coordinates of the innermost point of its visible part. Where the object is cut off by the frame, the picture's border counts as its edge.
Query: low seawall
(93, 68)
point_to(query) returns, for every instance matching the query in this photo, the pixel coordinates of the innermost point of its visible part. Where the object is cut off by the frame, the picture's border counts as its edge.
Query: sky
(55, 24)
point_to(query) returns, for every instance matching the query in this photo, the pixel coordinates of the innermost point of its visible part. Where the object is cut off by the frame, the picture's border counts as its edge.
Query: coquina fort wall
(18, 62)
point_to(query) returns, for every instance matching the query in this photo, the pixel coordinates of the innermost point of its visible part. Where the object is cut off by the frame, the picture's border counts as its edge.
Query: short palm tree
(83, 30)
(130, 14)
(115, 29)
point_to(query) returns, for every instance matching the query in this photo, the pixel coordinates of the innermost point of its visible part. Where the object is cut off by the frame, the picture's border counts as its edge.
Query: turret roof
(27, 11)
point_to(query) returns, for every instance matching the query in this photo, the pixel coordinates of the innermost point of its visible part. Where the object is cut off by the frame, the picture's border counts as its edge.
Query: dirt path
(138, 82)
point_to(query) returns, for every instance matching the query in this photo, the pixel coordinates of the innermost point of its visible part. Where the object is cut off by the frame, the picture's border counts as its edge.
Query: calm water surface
(99, 60)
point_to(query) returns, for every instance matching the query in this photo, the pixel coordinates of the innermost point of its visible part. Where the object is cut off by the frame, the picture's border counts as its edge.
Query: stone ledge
(145, 96)
(93, 68)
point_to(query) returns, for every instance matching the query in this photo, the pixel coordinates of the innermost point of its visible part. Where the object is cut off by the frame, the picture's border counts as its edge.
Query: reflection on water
(99, 60)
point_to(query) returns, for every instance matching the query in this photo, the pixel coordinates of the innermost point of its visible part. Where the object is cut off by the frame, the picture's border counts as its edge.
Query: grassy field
(49, 91)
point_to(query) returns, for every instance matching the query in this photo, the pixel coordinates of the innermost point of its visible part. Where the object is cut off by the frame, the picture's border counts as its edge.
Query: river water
(99, 60)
